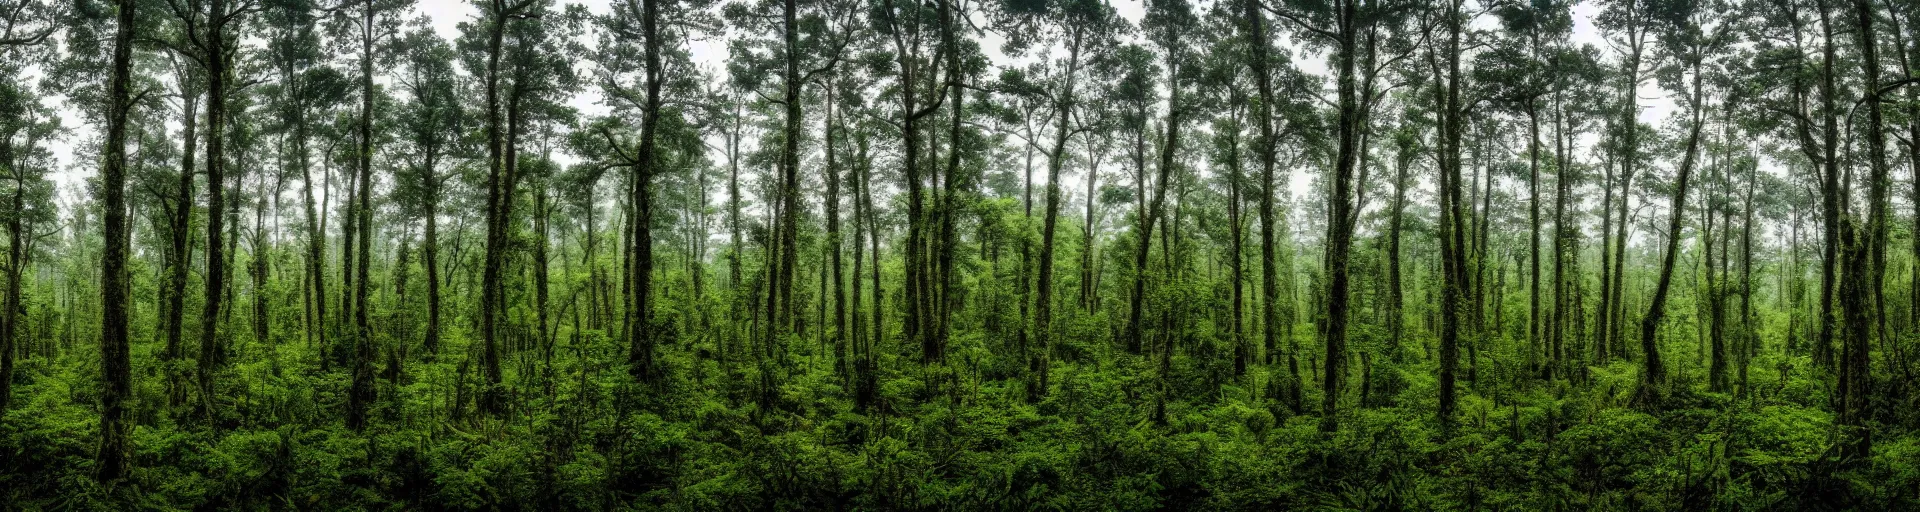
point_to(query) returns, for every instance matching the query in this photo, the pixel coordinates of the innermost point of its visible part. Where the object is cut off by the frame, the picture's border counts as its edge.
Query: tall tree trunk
(430, 258)
(11, 304)
(1453, 223)
(1564, 256)
(1478, 198)
(1603, 316)
(180, 252)
(360, 395)
(1907, 51)
(1749, 338)
(499, 207)
(1269, 270)
(917, 285)
(954, 88)
(1653, 375)
(344, 324)
(1042, 361)
(262, 327)
(233, 238)
(1862, 270)
(316, 298)
(542, 301)
(1236, 256)
(862, 344)
(1629, 126)
(212, 354)
(18, 239)
(1716, 367)
(641, 344)
(116, 366)
(832, 175)
(1534, 330)
(1145, 243)
(869, 378)
(1091, 240)
(1396, 295)
(780, 298)
(1830, 192)
(1025, 287)
(738, 292)
(1341, 216)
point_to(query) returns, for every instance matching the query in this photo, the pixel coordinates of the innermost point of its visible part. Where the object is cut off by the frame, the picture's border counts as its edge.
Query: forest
(960, 255)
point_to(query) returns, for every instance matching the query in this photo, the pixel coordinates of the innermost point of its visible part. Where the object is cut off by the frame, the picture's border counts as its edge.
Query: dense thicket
(935, 254)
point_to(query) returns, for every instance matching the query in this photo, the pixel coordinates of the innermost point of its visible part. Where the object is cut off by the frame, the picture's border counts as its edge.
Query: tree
(1864, 251)
(26, 127)
(1361, 42)
(1627, 22)
(1519, 74)
(115, 358)
(642, 91)
(219, 57)
(1580, 98)
(431, 123)
(512, 42)
(905, 26)
(189, 81)
(1167, 22)
(305, 88)
(1087, 30)
(1407, 148)
(377, 23)
(1689, 42)
(1454, 258)
(1264, 68)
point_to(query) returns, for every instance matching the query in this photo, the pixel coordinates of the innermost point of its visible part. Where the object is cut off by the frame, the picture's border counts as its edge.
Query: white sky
(709, 54)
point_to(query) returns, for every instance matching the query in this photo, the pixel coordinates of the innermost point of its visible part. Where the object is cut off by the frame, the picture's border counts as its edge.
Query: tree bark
(1236, 256)
(499, 209)
(1269, 270)
(641, 345)
(1534, 330)
(780, 298)
(832, 175)
(181, 251)
(1830, 193)
(360, 393)
(116, 366)
(1653, 375)
(212, 353)
(1042, 361)
(1453, 240)
(430, 258)
(1341, 215)
(1863, 274)
(1144, 245)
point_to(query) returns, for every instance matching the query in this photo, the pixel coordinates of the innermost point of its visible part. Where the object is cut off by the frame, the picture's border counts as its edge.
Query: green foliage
(1091, 445)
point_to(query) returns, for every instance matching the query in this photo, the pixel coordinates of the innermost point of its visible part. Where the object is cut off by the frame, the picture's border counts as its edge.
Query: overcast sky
(446, 15)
